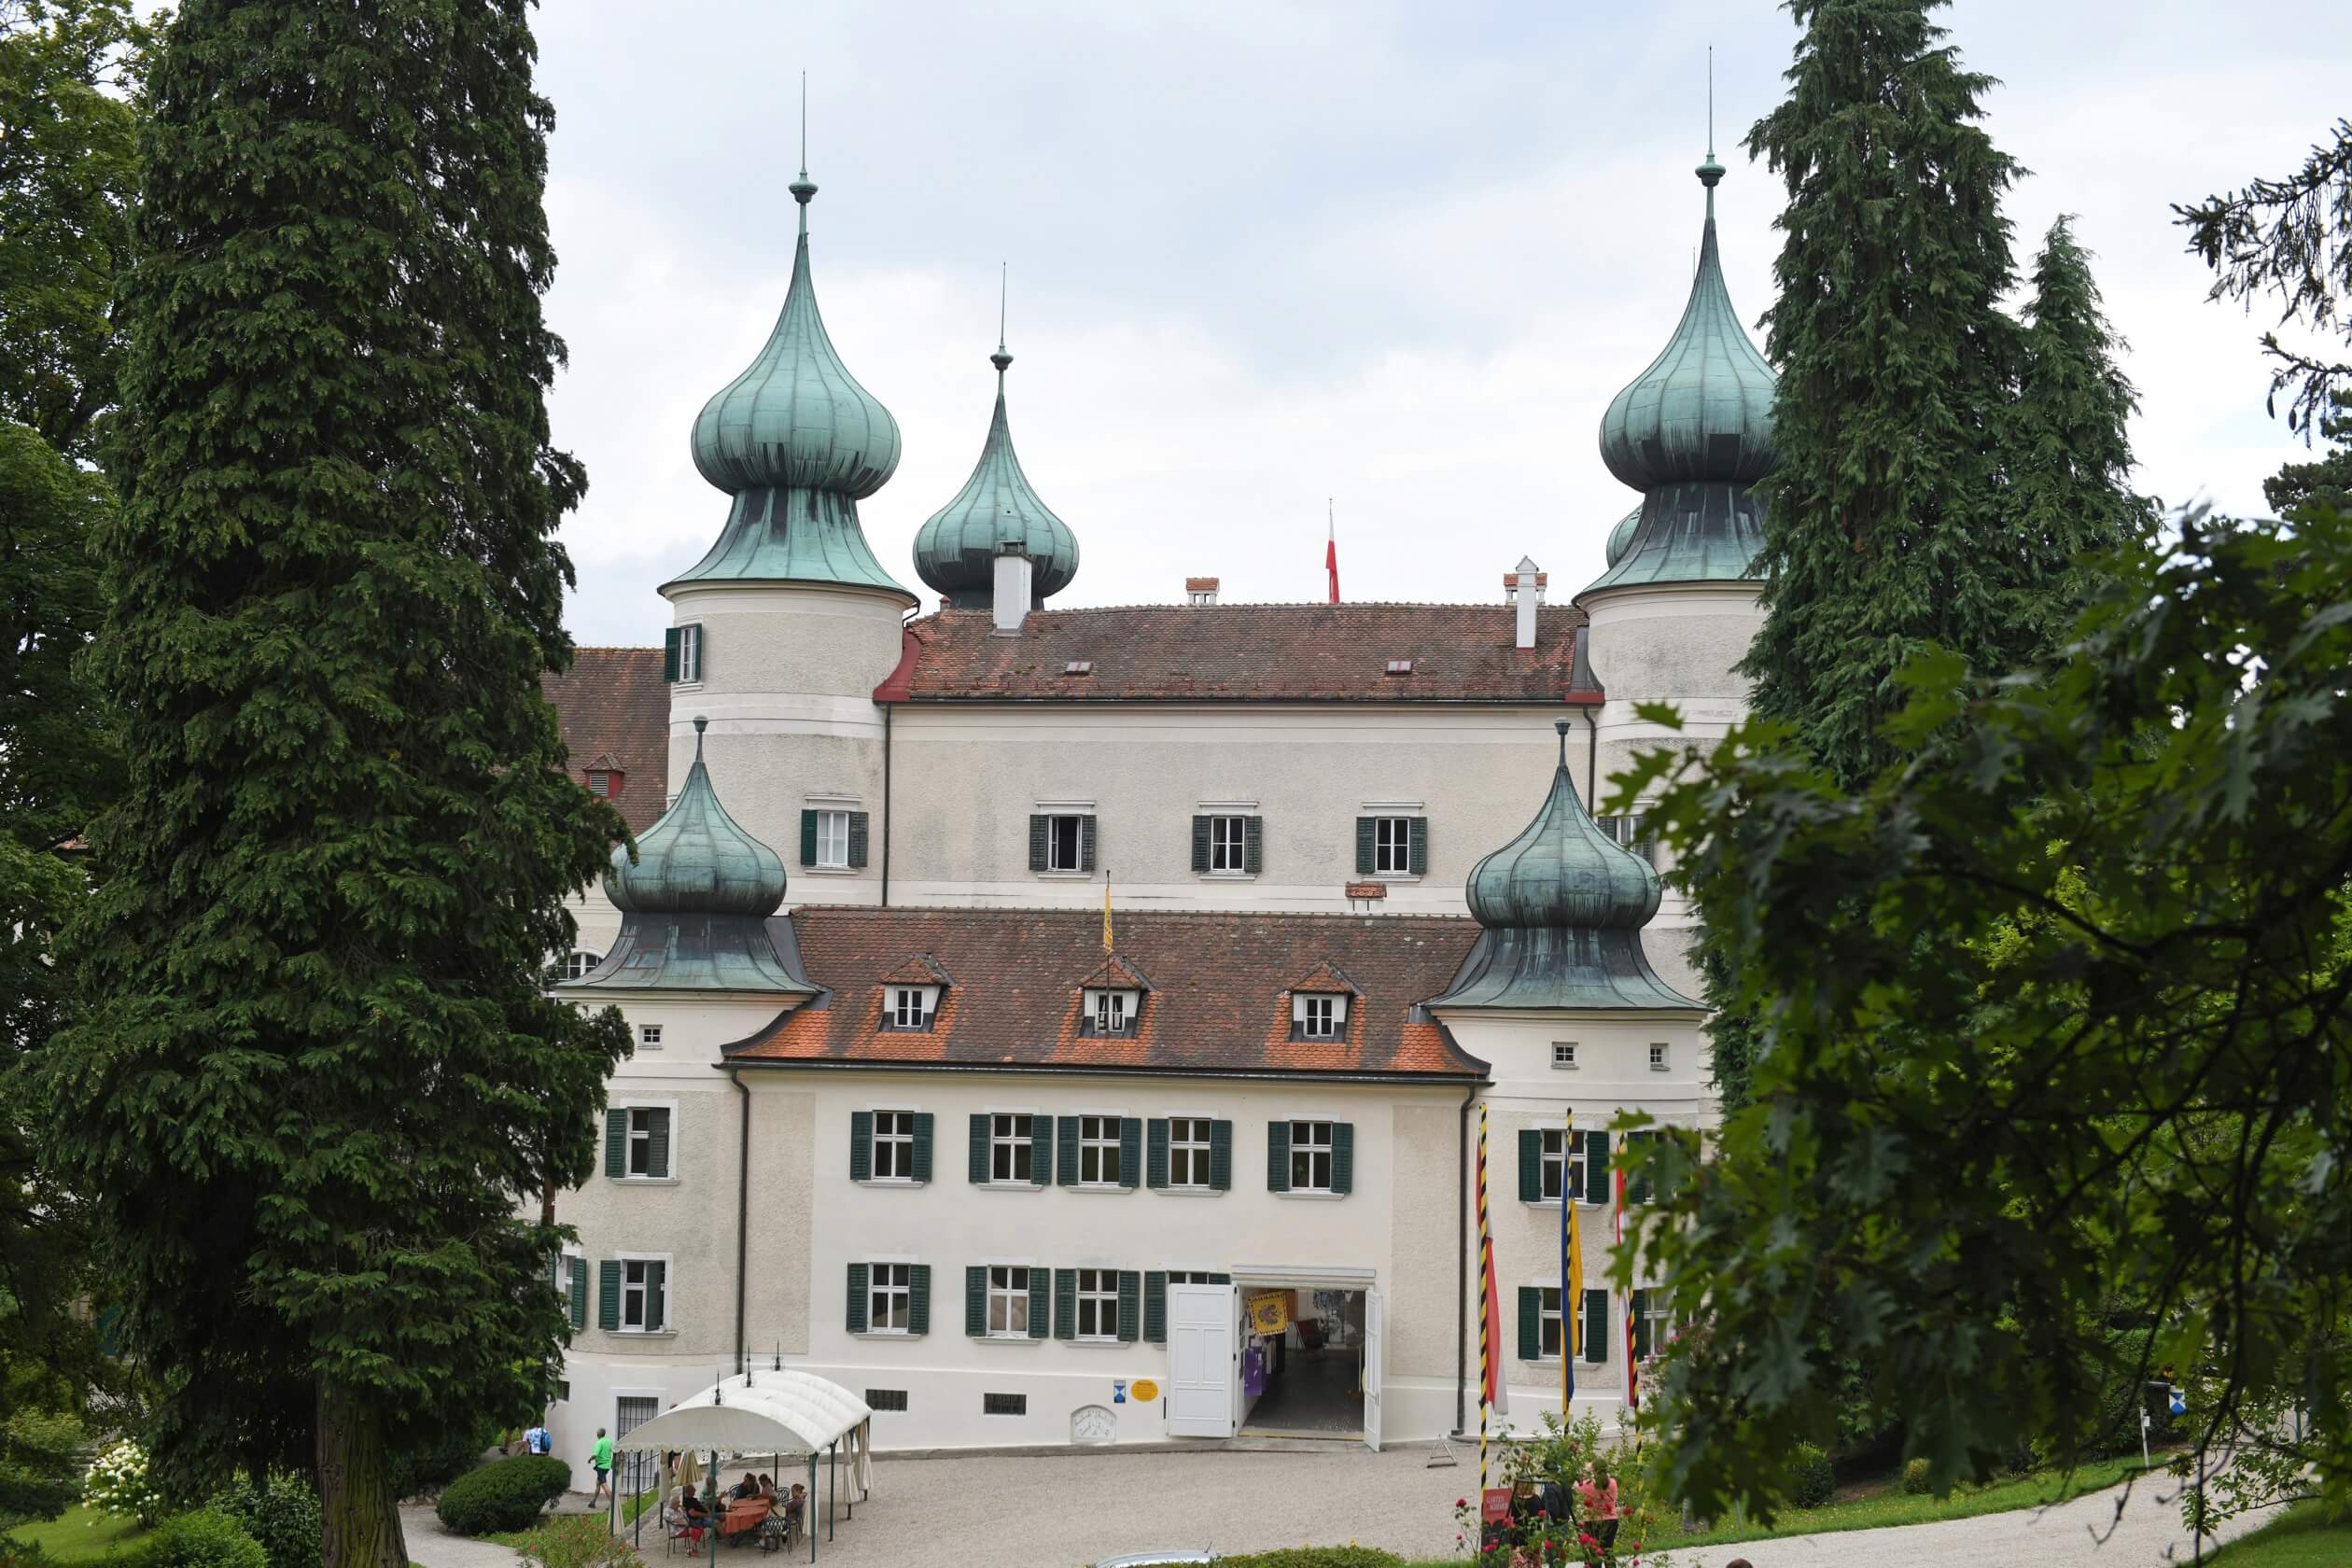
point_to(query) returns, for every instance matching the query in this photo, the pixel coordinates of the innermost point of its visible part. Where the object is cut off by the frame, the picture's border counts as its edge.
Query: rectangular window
(1556, 1165)
(1110, 1013)
(648, 1141)
(1188, 1139)
(600, 782)
(1319, 1018)
(688, 654)
(650, 1034)
(1197, 1277)
(1065, 838)
(578, 961)
(889, 1299)
(894, 1145)
(1563, 1053)
(1391, 845)
(1658, 1059)
(1098, 1152)
(636, 1469)
(1310, 1157)
(886, 1399)
(907, 1011)
(1228, 839)
(1553, 1336)
(833, 839)
(1098, 1303)
(644, 1295)
(1004, 1403)
(1011, 1148)
(1654, 1325)
(1008, 1303)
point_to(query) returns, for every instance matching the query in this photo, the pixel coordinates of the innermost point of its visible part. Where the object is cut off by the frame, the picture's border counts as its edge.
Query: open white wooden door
(1372, 1370)
(1201, 1369)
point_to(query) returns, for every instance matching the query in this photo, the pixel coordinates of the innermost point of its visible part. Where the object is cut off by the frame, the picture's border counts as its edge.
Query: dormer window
(1319, 1016)
(1109, 1013)
(909, 1008)
(1400, 666)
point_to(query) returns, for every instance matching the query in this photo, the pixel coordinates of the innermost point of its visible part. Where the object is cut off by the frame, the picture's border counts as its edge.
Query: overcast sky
(1265, 253)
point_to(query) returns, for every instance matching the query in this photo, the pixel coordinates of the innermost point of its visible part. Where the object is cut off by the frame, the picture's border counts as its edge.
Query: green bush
(418, 1470)
(283, 1516)
(1915, 1477)
(1816, 1482)
(206, 1538)
(504, 1495)
(577, 1541)
(1314, 1557)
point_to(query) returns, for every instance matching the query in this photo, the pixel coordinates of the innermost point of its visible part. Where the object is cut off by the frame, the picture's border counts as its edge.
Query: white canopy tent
(776, 1412)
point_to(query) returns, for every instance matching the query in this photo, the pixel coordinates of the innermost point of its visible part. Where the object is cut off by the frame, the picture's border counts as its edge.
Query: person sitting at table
(767, 1487)
(744, 1488)
(692, 1516)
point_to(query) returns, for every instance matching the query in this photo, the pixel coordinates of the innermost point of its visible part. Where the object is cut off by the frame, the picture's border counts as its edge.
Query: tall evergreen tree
(316, 1081)
(1896, 363)
(2325, 480)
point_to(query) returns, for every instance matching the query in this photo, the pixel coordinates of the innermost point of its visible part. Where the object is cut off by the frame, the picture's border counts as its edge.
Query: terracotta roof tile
(1219, 1000)
(614, 708)
(1306, 653)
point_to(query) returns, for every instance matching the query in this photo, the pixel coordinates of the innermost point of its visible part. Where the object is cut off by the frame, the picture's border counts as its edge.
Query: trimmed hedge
(206, 1538)
(283, 1517)
(507, 1495)
(1816, 1480)
(1314, 1557)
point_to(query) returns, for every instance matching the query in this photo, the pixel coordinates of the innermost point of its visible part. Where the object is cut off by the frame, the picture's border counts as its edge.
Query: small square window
(1004, 1403)
(886, 1399)
(1318, 1015)
(1657, 1057)
(1563, 1053)
(1109, 1013)
(650, 1035)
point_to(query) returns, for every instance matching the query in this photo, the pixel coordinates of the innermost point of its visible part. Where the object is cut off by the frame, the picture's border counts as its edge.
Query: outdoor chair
(674, 1528)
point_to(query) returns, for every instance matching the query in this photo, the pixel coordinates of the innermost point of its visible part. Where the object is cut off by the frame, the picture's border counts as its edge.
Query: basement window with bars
(886, 1399)
(1004, 1403)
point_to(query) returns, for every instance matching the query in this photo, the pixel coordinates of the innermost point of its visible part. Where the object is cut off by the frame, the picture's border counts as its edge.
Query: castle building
(1075, 1025)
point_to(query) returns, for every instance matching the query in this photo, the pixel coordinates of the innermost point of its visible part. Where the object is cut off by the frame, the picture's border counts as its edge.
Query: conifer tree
(1896, 364)
(315, 1080)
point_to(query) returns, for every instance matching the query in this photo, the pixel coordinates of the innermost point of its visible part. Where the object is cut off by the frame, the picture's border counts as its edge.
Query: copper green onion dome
(1563, 906)
(956, 551)
(1692, 433)
(797, 443)
(696, 860)
(1622, 534)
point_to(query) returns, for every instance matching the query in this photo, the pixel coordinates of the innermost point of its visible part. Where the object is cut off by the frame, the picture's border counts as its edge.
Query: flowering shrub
(118, 1484)
(1606, 1516)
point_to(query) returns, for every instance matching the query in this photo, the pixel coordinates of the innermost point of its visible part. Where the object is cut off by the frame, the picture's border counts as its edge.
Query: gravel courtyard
(1062, 1510)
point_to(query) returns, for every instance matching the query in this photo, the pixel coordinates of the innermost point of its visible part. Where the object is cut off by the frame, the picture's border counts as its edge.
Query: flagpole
(1567, 1247)
(1628, 1335)
(1485, 1312)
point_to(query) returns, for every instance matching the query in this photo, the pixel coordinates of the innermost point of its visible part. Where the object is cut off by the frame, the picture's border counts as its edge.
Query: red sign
(1494, 1504)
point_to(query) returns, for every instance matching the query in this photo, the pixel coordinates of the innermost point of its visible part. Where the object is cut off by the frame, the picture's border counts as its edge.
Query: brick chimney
(1200, 590)
(1523, 587)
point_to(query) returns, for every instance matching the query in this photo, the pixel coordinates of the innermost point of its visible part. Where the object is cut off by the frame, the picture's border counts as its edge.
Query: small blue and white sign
(1118, 1391)
(2180, 1401)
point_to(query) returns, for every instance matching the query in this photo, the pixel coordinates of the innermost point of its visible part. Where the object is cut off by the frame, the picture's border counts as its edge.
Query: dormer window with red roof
(1109, 1013)
(1319, 1016)
(909, 1008)
(605, 782)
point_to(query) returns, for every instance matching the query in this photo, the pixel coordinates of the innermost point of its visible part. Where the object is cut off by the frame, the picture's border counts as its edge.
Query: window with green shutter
(1419, 846)
(1278, 1157)
(1156, 1306)
(617, 1141)
(861, 1145)
(1041, 1151)
(858, 836)
(1531, 1324)
(1221, 1157)
(580, 1292)
(1531, 1165)
(1131, 1305)
(1039, 830)
(1343, 1157)
(1596, 1325)
(859, 1275)
(975, 1301)
(608, 1293)
(1368, 829)
(1155, 1153)
(922, 1170)
(669, 656)
(1637, 1183)
(918, 1299)
(808, 837)
(1065, 1154)
(1200, 846)
(657, 1141)
(976, 1164)
(1041, 1315)
(1596, 1168)
(1130, 1150)
(1065, 1304)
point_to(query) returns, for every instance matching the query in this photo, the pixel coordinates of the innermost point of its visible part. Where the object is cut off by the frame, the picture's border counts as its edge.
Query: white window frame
(1194, 1150)
(912, 1007)
(889, 1289)
(1009, 1145)
(1013, 1300)
(669, 1293)
(1104, 1146)
(1327, 1009)
(1565, 1055)
(1112, 1011)
(578, 961)
(1554, 1181)
(634, 1104)
(690, 654)
(1551, 1324)
(1393, 844)
(1104, 1298)
(832, 838)
(1659, 1321)
(1195, 1276)
(564, 1257)
(1054, 820)
(649, 1038)
(897, 1137)
(1228, 844)
(1660, 1056)
(1306, 1148)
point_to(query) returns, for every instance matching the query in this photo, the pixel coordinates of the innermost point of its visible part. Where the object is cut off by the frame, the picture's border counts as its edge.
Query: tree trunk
(360, 1527)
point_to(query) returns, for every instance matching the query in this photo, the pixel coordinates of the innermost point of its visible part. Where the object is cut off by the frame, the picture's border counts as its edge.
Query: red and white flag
(1331, 552)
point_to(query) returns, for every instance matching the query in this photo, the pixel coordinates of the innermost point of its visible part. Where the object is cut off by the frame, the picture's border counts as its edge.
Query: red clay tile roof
(1302, 652)
(614, 708)
(1220, 1001)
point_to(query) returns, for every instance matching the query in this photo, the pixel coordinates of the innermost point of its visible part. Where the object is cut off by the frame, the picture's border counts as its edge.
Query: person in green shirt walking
(601, 1458)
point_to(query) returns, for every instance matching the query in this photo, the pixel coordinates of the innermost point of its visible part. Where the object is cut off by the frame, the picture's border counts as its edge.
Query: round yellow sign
(1144, 1390)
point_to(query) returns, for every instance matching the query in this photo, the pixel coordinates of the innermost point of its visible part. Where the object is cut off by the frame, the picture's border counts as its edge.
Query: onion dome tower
(1692, 433)
(1563, 905)
(956, 551)
(694, 902)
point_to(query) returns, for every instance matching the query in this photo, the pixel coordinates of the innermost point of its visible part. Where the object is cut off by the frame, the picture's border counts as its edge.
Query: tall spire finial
(804, 188)
(1001, 359)
(1709, 111)
(1710, 171)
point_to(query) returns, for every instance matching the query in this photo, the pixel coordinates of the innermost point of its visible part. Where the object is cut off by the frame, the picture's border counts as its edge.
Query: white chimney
(1010, 595)
(1524, 587)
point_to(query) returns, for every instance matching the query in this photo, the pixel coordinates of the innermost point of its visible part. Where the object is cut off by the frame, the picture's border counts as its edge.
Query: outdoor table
(743, 1516)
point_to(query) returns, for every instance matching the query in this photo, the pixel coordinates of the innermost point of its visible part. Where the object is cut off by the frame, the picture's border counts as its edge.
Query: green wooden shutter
(1253, 844)
(669, 656)
(1531, 1165)
(1596, 1184)
(922, 1145)
(617, 1141)
(1130, 1150)
(1131, 1305)
(1037, 843)
(1200, 844)
(857, 1298)
(1156, 1159)
(1637, 1183)
(656, 1297)
(579, 1292)
(1364, 830)
(858, 834)
(1066, 1157)
(975, 1301)
(1065, 1303)
(1221, 1157)
(1278, 1157)
(861, 1145)
(1343, 1156)
(1531, 1324)
(978, 1162)
(1640, 1326)
(1041, 1150)
(1086, 842)
(1040, 1307)
(1419, 846)
(1156, 1306)
(657, 1127)
(808, 838)
(1596, 1325)
(918, 1299)
(608, 1293)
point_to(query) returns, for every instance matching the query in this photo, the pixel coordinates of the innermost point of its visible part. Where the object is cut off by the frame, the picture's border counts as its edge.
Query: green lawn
(1872, 1504)
(79, 1535)
(2302, 1537)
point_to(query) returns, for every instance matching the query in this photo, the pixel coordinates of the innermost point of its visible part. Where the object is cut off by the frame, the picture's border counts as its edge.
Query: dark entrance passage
(1314, 1374)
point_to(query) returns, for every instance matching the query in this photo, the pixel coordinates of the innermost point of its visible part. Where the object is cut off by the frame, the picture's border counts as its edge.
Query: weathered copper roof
(956, 551)
(1288, 652)
(697, 859)
(1219, 999)
(613, 704)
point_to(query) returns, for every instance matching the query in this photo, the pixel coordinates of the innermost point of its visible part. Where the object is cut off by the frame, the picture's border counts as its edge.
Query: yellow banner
(1269, 1313)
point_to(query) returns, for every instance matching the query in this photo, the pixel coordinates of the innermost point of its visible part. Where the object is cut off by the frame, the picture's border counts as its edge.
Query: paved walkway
(1056, 1510)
